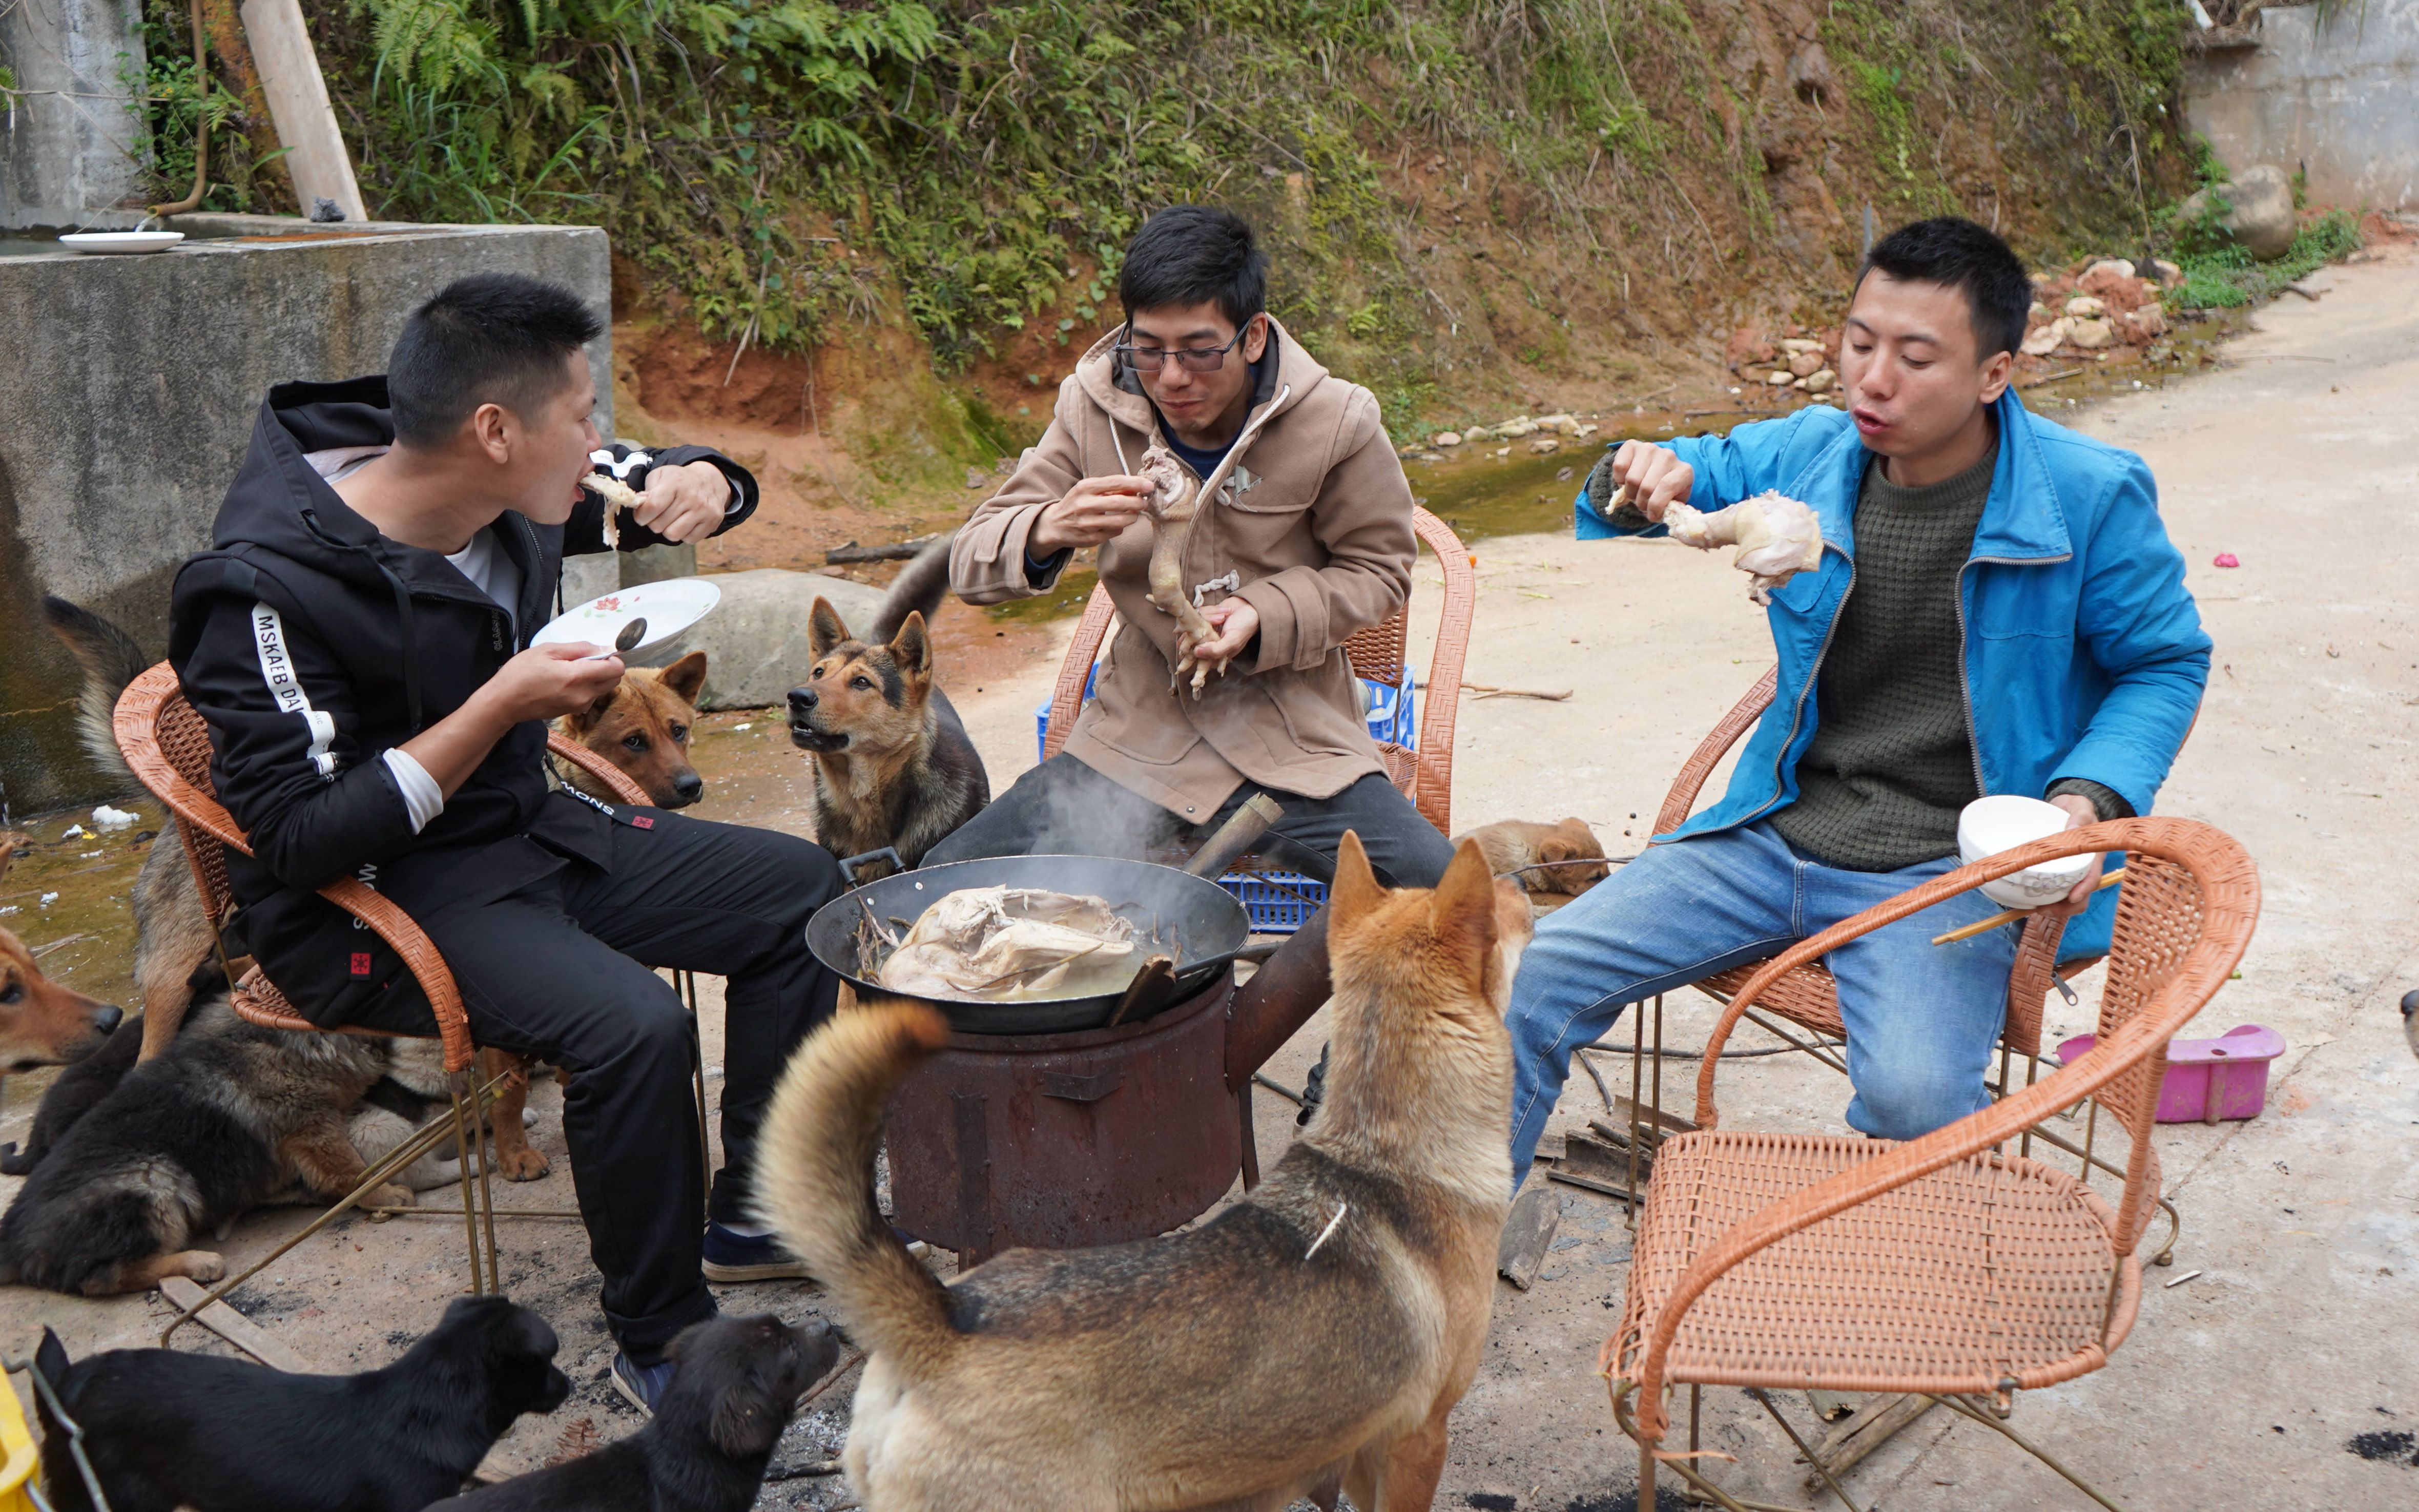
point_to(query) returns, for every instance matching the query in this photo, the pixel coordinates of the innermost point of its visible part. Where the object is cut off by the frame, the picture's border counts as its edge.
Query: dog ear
(913, 644)
(685, 677)
(746, 1421)
(824, 628)
(583, 720)
(1356, 890)
(51, 1358)
(1463, 906)
(1557, 850)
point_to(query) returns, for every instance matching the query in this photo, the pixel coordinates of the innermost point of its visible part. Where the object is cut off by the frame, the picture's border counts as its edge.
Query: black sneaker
(734, 1257)
(641, 1386)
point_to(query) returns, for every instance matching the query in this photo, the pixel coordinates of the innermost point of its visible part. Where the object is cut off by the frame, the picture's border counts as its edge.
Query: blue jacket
(2084, 651)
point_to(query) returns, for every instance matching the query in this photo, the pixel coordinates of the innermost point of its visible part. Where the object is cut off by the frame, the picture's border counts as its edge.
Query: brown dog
(642, 727)
(893, 766)
(42, 1022)
(1313, 1337)
(1562, 858)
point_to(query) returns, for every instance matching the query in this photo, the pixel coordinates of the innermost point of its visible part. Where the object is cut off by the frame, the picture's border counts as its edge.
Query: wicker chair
(1425, 775)
(1947, 1266)
(1806, 996)
(168, 745)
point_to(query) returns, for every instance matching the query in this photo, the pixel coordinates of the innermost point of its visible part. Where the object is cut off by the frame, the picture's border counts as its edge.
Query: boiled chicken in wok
(1002, 944)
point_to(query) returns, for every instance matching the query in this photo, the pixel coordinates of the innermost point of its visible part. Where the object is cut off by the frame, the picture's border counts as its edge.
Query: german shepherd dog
(893, 765)
(641, 726)
(1312, 1337)
(230, 1117)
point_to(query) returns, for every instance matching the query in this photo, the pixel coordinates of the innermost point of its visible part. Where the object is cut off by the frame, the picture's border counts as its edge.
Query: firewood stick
(1553, 695)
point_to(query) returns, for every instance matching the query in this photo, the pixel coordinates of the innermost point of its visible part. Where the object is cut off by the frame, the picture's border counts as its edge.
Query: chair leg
(1990, 1421)
(1804, 1448)
(462, 1128)
(1701, 1489)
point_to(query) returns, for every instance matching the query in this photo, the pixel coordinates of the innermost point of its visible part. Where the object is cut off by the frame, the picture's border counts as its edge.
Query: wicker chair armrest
(1710, 750)
(420, 953)
(1067, 698)
(617, 781)
(1434, 795)
(2205, 966)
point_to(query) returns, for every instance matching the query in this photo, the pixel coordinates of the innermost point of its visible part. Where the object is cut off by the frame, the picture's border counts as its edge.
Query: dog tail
(918, 588)
(110, 659)
(815, 1179)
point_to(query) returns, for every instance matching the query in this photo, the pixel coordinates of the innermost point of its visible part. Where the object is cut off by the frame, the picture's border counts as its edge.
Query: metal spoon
(631, 635)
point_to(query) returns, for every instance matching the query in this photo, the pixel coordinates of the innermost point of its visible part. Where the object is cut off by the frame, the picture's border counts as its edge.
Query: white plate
(669, 608)
(120, 240)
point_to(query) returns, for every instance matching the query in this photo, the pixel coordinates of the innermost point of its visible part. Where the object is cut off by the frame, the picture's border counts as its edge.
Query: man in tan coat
(1304, 537)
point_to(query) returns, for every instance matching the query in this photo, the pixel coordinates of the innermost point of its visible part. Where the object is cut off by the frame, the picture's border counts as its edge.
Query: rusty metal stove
(1062, 1140)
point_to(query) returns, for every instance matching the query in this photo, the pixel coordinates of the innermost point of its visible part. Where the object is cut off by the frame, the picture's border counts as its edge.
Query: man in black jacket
(357, 641)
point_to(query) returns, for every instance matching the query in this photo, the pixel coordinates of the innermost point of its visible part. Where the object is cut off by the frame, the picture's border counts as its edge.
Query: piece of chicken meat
(1174, 502)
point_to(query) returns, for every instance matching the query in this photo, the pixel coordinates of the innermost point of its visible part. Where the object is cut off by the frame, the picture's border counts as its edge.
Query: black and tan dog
(893, 765)
(166, 1429)
(230, 1117)
(1313, 1337)
(736, 1383)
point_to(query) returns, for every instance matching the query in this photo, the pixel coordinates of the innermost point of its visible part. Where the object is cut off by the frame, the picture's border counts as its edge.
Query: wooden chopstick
(2009, 916)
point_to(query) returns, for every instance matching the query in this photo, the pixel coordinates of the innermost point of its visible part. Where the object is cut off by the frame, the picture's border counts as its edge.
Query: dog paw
(522, 1164)
(203, 1266)
(388, 1196)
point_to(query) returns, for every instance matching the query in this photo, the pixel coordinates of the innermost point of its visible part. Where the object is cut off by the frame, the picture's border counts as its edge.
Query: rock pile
(1802, 362)
(2105, 307)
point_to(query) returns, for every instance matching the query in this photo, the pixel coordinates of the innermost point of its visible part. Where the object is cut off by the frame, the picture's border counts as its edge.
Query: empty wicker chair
(1425, 775)
(1948, 1266)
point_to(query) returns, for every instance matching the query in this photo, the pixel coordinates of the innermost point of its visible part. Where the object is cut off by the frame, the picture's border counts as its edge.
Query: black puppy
(166, 1429)
(738, 1383)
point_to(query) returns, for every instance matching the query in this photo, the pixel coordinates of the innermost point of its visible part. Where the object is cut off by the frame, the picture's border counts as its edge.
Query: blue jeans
(1922, 1018)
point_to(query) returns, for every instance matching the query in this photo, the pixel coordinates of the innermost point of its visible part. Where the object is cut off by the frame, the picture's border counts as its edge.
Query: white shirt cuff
(422, 798)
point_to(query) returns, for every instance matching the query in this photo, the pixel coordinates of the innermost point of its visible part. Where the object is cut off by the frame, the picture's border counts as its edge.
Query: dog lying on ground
(1313, 1336)
(737, 1384)
(893, 765)
(166, 1429)
(230, 1117)
(1563, 859)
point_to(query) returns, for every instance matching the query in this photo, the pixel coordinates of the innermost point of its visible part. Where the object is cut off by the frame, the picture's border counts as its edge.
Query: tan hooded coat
(1312, 513)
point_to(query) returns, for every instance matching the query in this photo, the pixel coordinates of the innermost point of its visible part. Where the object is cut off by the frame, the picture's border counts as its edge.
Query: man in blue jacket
(1999, 609)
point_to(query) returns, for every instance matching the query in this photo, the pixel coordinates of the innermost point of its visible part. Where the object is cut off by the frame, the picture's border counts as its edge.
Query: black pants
(1065, 808)
(561, 969)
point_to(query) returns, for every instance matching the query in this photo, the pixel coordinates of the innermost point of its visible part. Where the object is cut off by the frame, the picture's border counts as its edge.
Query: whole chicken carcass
(1777, 537)
(1001, 942)
(1174, 502)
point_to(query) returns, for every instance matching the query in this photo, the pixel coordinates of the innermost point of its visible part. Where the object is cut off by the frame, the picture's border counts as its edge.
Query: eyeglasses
(1193, 359)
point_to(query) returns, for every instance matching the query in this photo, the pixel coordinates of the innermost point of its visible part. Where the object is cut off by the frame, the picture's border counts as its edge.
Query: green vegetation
(970, 168)
(2225, 276)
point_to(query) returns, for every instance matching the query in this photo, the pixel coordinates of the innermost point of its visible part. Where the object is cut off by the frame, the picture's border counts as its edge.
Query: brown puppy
(1530, 855)
(893, 766)
(642, 727)
(42, 1022)
(1313, 1337)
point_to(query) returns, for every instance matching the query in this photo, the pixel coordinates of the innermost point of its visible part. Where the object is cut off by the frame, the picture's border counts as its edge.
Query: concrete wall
(69, 147)
(133, 384)
(2342, 99)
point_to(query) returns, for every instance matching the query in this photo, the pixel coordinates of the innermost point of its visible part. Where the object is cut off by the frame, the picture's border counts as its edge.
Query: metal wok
(1200, 923)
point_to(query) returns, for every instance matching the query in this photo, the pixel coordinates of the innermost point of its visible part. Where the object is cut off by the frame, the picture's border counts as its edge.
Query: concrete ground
(2268, 1347)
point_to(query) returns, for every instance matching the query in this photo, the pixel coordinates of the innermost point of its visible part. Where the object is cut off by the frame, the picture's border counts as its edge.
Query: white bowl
(120, 241)
(2003, 822)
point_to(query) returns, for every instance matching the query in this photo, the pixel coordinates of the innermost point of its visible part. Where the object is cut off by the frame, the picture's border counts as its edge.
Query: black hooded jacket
(311, 644)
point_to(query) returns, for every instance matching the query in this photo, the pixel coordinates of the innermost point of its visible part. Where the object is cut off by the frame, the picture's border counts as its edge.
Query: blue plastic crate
(1393, 712)
(1279, 903)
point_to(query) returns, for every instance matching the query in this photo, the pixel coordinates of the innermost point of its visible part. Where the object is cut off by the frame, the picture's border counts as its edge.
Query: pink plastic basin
(2208, 1080)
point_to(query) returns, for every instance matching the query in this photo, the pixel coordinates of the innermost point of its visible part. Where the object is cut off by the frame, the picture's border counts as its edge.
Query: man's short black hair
(1971, 259)
(1196, 254)
(491, 338)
